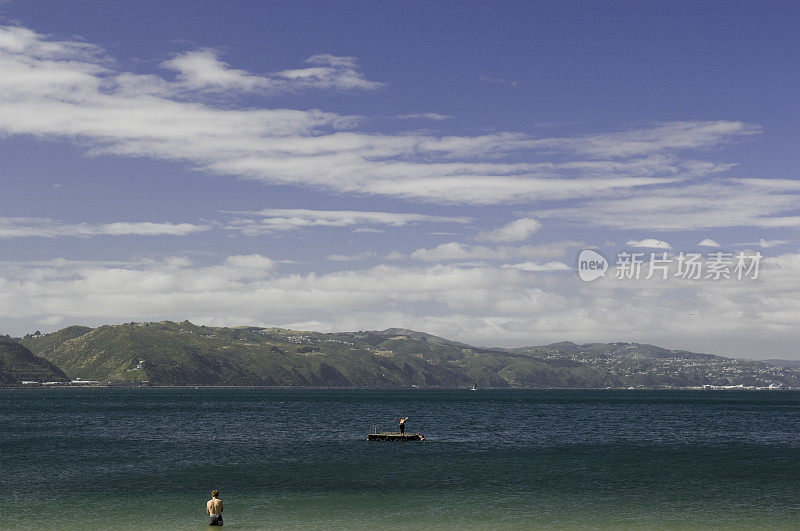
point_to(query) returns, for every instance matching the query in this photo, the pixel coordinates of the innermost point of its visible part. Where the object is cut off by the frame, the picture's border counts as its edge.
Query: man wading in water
(214, 508)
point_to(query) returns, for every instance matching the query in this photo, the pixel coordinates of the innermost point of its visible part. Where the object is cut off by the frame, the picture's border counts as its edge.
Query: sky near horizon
(437, 166)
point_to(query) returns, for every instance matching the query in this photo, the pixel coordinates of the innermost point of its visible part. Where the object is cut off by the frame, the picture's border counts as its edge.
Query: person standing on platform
(402, 424)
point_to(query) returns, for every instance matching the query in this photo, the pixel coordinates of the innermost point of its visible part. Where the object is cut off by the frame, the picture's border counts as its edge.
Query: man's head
(214, 493)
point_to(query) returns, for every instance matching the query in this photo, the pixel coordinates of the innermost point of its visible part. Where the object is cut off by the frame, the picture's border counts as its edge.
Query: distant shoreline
(352, 388)
(181, 354)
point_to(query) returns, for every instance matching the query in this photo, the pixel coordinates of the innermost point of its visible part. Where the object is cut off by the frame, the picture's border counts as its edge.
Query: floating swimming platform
(395, 436)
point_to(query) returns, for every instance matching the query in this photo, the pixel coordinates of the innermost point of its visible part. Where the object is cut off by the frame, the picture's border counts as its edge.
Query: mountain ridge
(182, 353)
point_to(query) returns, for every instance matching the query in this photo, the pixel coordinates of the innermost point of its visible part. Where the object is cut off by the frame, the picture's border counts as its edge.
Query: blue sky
(435, 166)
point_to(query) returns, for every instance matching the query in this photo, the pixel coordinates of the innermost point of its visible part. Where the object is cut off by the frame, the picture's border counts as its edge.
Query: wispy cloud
(718, 203)
(351, 258)
(256, 262)
(498, 81)
(765, 244)
(649, 243)
(534, 266)
(455, 251)
(271, 220)
(662, 137)
(203, 70)
(48, 228)
(516, 231)
(69, 90)
(436, 117)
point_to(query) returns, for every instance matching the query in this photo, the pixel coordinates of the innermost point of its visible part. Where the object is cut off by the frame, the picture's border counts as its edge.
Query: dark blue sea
(291, 459)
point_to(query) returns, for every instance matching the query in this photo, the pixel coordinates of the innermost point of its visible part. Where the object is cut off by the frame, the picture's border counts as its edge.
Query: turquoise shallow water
(292, 459)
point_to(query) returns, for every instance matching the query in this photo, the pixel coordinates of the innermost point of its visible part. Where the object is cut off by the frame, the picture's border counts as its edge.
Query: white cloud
(68, 90)
(331, 71)
(250, 261)
(284, 219)
(664, 137)
(489, 305)
(490, 189)
(436, 117)
(146, 228)
(351, 258)
(516, 231)
(719, 203)
(203, 70)
(47, 228)
(395, 255)
(461, 252)
(765, 244)
(534, 266)
(777, 185)
(708, 243)
(649, 243)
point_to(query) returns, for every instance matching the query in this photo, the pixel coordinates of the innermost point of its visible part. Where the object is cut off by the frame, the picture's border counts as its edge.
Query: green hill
(169, 353)
(18, 364)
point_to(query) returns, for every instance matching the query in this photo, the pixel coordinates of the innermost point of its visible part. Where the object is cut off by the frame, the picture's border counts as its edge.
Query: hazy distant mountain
(794, 364)
(18, 364)
(169, 353)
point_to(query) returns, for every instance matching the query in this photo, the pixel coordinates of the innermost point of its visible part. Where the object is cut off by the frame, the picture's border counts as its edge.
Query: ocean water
(299, 459)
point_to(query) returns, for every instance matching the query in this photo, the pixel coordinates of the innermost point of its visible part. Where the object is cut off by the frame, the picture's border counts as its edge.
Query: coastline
(398, 388)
